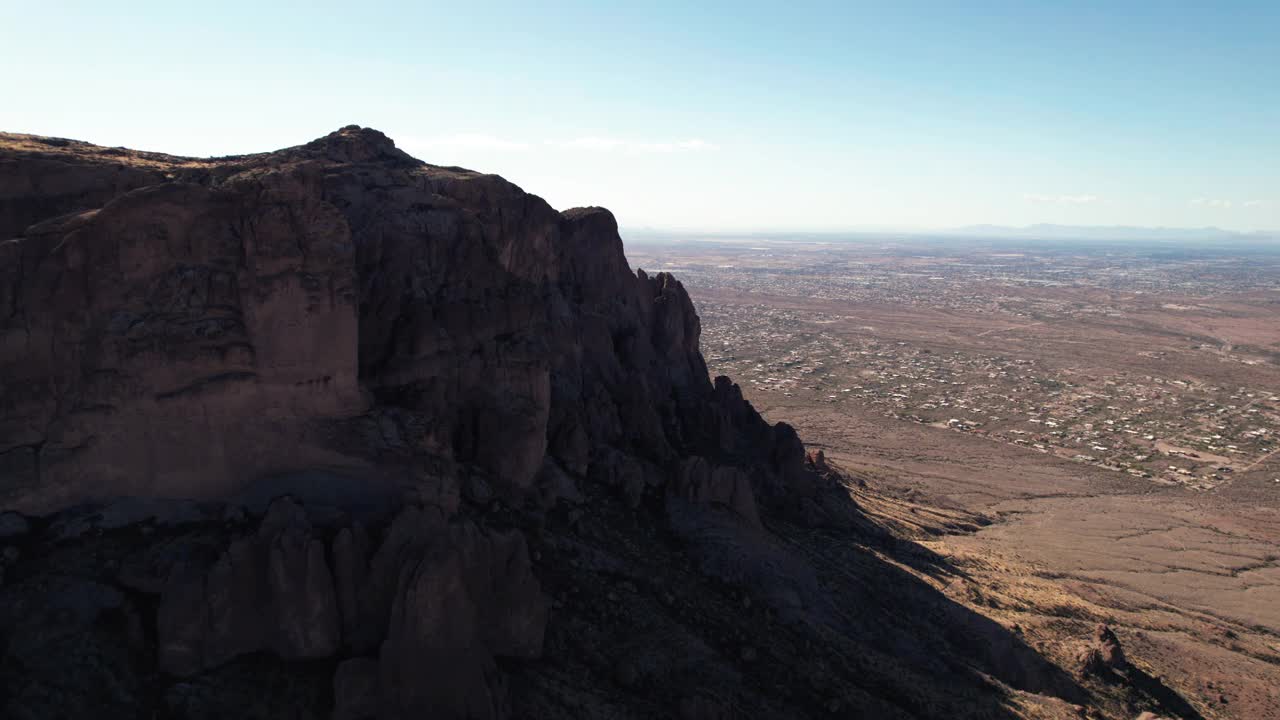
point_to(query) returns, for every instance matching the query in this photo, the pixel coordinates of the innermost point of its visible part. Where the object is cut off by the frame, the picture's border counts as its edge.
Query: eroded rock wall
(348, 325)
(179, 328)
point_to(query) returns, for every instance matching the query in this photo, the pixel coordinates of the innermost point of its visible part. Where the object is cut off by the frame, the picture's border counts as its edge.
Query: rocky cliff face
(182, 328)
(336, 430)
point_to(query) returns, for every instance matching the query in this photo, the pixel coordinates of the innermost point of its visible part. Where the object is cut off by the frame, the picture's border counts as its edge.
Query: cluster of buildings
(811, 348)
(937, 275)
(1160, 429)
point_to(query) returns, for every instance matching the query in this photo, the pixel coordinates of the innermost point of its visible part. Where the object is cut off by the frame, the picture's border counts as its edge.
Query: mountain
(333, 432)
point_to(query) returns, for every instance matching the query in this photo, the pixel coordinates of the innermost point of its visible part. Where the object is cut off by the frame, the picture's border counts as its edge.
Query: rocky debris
(63, 608)
(63, 634)
(124, 513)
(256, 687)
(728, 546)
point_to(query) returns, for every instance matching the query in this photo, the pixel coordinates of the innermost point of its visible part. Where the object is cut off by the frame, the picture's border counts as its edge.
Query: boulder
(1103, 657)
(1109, 647)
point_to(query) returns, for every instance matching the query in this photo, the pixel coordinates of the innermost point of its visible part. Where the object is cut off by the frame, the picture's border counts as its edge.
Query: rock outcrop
(270, 591)
(1103, 656)
(440, 599)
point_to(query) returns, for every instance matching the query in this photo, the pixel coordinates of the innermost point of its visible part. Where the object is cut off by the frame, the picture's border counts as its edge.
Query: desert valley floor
(1114, 413)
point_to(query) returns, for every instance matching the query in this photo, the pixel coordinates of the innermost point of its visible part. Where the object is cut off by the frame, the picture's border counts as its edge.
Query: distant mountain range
(1041, 231)
(1109, 232)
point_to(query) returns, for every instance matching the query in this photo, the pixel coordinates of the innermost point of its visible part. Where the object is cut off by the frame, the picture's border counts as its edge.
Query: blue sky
(731, 116)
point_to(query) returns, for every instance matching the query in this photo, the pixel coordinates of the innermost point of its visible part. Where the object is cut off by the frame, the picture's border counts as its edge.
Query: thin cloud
(1212, 203)
(1061, 199)
(590, 143)
(466, 141)
(631, 147)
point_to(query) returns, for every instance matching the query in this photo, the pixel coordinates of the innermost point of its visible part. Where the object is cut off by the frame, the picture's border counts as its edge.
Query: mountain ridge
(1110, 232)
(334, 431)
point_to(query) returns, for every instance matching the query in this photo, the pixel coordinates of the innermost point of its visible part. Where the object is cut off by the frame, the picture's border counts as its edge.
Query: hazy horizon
(734, 117)
(964, 231)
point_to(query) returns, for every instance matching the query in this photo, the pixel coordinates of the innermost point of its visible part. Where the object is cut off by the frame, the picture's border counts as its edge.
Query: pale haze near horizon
(735, 116)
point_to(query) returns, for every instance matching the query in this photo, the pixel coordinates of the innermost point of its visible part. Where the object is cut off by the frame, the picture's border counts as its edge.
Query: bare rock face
(181, 327)
(699, 482)
(272, 591)
(215, 330)
(467, 599)
(439, 600)
(159, 338)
